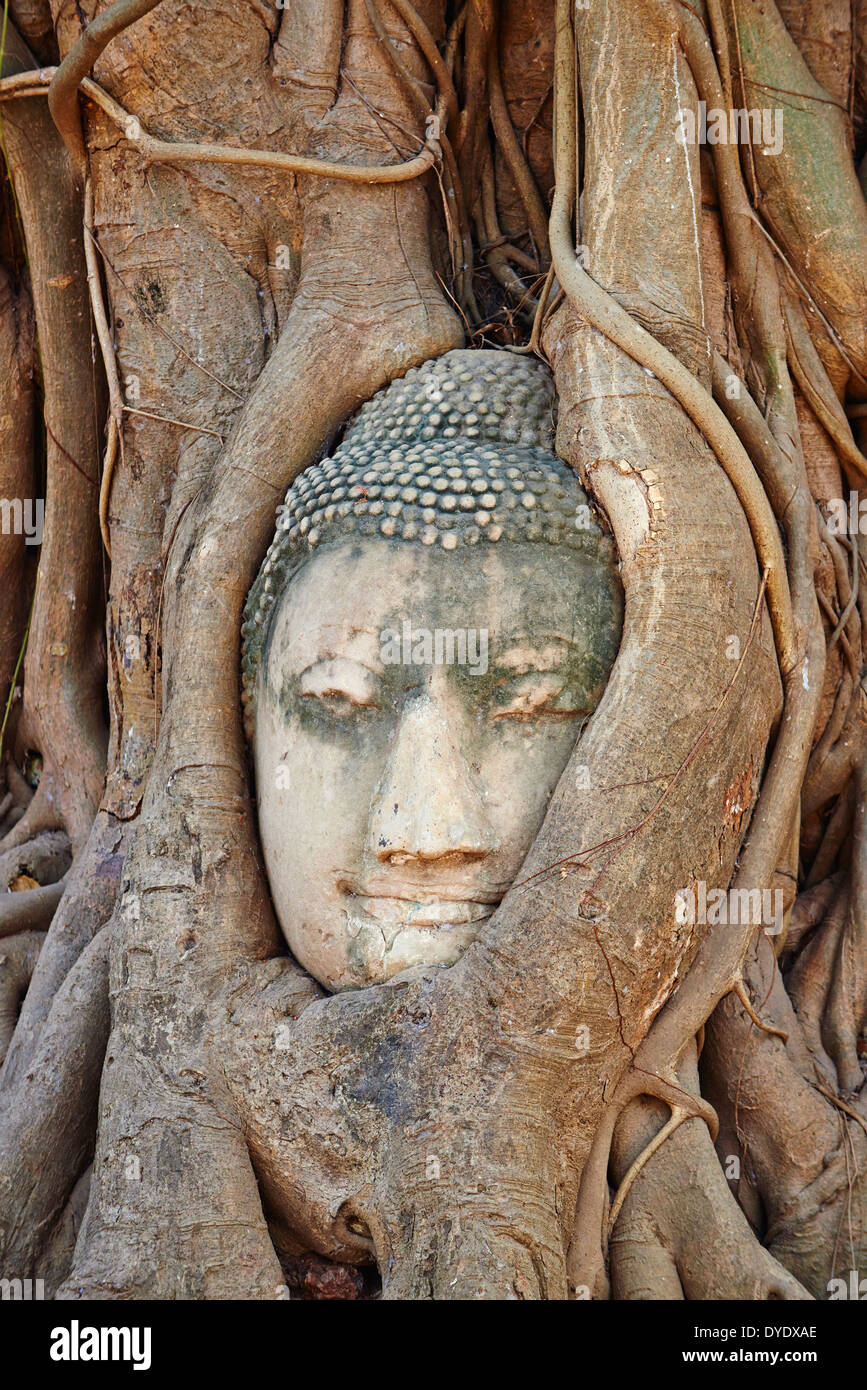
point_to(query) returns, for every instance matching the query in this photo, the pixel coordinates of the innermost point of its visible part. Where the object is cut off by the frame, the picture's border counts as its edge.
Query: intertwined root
(327, 1128)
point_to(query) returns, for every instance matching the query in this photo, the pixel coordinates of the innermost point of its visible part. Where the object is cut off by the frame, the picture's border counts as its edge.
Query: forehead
(362, 586)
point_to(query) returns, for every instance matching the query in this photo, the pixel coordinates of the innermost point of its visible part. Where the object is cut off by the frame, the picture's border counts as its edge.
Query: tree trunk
(225, 228)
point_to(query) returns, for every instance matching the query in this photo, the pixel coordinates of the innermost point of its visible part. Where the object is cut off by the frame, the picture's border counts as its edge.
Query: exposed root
(438, 65)
(84, 909)
(154, 150)
(63, 92)
(40, 815)
(453, 193)
(44, 859)
(605, 314)
(809, 909)
(740, 990)
(47, 1133)
(758, 447)
(533, 344)
(590, 1229)
(113, 436)
(813, 381)
(31, 910)
(518, 167)
(675, 1120)
(109, 361)
(18, 957)
(61, 714)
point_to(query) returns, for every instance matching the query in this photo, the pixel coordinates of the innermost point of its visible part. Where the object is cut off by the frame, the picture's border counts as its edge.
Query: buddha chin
(414, 694)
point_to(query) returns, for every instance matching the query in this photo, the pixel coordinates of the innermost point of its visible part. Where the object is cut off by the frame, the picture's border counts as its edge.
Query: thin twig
(184, 152)
(109, 360)
(674, 1122)
(170, 420)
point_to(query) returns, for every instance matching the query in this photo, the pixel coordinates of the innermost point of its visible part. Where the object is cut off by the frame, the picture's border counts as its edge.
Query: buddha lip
(442, 912)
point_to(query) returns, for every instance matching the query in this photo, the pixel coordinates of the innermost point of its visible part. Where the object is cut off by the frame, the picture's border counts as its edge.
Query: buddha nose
(428, 807)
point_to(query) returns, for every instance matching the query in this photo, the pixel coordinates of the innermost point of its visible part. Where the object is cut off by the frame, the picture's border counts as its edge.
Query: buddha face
(415, 708)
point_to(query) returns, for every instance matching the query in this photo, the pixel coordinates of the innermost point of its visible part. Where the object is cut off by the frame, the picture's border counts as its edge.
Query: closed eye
(340, 685)
(535, 695)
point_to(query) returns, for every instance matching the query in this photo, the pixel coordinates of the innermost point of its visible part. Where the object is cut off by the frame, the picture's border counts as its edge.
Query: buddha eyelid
(340, 676)
(522, 689)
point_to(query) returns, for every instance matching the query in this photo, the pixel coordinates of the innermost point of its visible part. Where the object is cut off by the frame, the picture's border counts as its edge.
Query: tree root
(154, 150)
(47, 1133)
(63, 96)
(812, 378)
(31, 910)
(45, 859)
(807, 981)
(61, 712)
(39, 817)
(832, 218)
(681, 1234)
(17, 361)
(809, 910)
(740, 990)
(454, 202)
(795, 1141)
(516, 163)
(586, 1258)
(609, 318)
(18, 957)
(55, 1259)
(82, 912)
(674, 1122)
(109, 361)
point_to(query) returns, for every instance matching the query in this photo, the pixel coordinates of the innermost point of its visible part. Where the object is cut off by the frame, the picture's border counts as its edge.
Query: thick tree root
(61, 713)
(84, 909)
(291, 1121)
(31, 910)
(18, 957)
(47, 1134)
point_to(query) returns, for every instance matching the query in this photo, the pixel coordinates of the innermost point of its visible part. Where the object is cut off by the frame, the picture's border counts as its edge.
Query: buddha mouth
(432, 913)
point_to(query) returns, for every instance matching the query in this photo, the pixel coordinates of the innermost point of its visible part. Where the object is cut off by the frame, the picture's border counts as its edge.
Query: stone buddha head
(434, 622)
